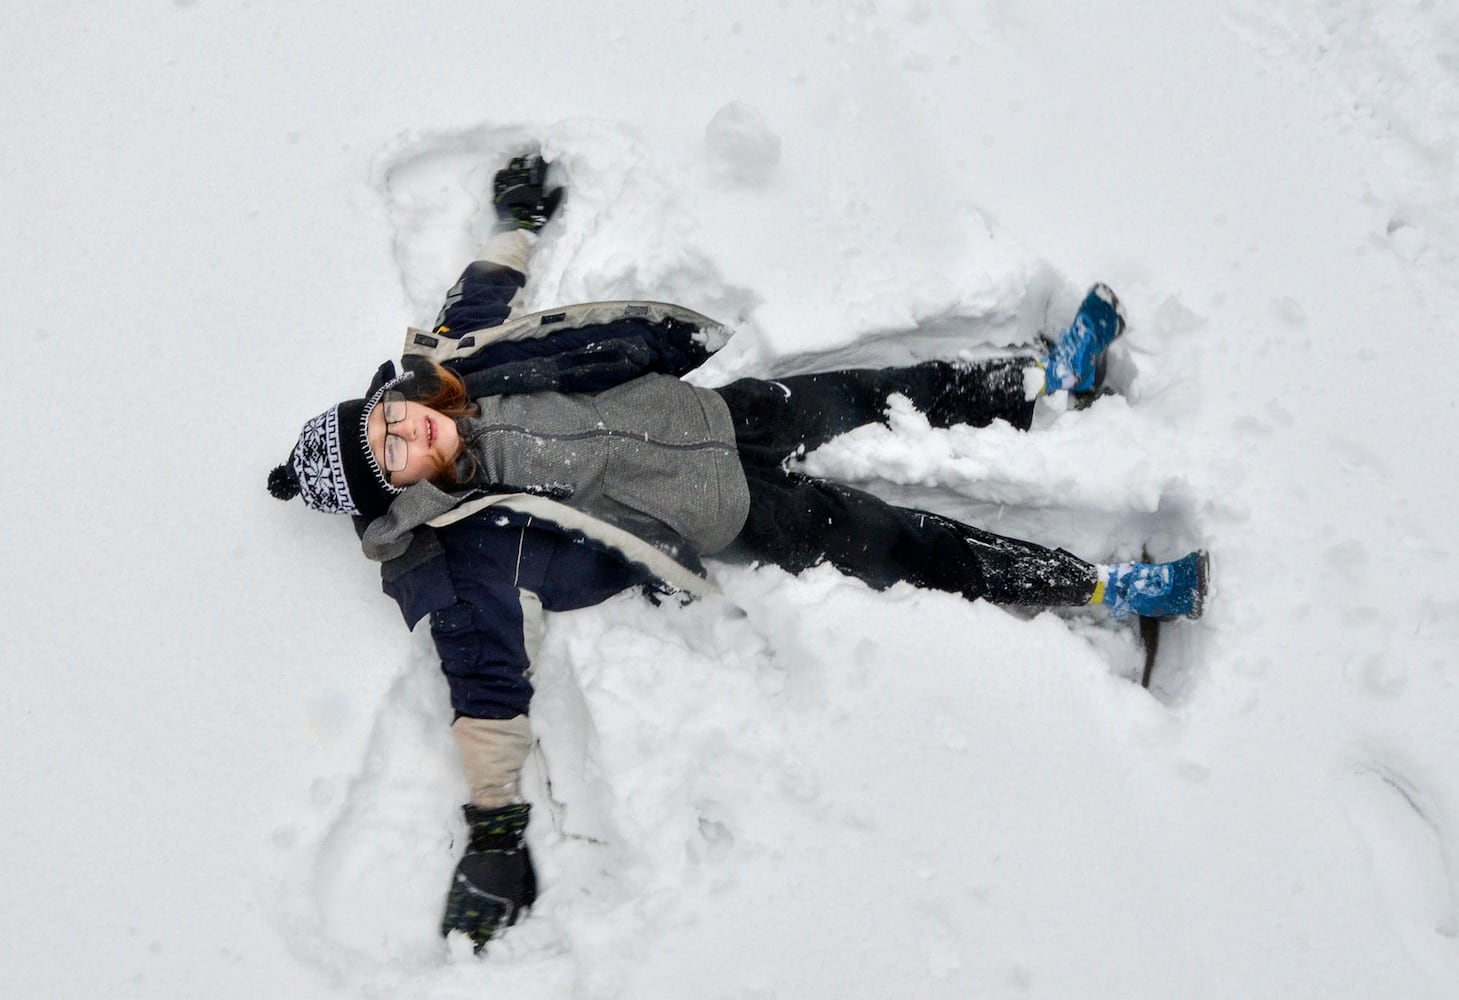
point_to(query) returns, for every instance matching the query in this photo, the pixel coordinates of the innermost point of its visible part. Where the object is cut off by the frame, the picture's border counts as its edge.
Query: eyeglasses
(392, 406)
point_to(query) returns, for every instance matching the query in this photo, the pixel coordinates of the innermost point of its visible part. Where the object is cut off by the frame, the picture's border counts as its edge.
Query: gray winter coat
(651, 454)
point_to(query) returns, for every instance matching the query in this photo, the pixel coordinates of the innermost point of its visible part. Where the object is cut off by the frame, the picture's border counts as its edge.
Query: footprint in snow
(1406, 849)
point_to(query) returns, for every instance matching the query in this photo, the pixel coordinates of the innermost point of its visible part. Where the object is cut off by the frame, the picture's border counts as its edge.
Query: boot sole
(1203, 577)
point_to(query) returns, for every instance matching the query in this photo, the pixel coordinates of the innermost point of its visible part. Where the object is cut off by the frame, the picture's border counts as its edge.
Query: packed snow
(227, 767)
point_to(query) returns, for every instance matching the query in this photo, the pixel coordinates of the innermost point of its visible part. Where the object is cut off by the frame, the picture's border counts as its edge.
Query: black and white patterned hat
(332, 466)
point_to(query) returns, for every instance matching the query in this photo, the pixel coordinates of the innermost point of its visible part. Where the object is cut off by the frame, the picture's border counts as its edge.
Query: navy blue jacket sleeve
(482, 297)
(588, 356)
(479, 636)
(589, 359)
(480, 642)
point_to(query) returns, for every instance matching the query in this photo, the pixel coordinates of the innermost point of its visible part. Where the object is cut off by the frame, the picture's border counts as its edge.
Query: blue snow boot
(1156, 590)
(1076, 362)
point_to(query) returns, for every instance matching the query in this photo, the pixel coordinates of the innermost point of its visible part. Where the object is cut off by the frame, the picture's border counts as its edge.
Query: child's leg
(796, 522)
(774, 419)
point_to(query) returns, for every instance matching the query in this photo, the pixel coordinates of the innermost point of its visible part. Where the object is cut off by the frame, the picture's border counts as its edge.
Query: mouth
(430, 432)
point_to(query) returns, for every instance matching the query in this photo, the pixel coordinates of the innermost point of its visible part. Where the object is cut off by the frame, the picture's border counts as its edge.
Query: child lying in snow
(548, 461)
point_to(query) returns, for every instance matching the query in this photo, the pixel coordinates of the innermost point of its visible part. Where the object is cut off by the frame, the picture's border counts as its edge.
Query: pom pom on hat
(283, 483)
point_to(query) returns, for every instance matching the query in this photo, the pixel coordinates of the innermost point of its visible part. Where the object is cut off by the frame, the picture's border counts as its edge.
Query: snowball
(742, 150)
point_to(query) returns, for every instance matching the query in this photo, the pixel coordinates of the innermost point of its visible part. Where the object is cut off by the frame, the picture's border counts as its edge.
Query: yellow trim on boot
(1098, 596)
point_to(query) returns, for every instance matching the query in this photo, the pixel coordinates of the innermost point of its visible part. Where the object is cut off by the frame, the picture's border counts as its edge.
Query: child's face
(424, 441)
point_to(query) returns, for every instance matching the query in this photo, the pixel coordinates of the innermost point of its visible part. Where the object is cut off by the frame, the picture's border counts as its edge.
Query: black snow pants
(797, 521)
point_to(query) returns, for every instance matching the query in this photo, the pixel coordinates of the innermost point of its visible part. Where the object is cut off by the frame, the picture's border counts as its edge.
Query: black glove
(494, 881)
(519, 193)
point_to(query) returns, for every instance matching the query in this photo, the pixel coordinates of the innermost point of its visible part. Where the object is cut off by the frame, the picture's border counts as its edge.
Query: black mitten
(494, 881)
(520, 195)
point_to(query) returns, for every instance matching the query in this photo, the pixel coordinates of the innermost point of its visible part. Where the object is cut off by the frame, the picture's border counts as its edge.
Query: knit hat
(332, 465)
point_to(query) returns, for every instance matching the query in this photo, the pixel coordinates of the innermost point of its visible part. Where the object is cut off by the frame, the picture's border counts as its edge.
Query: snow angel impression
(515, 464)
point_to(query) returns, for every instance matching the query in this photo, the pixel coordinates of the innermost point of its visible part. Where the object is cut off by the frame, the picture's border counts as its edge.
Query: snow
(227, 770)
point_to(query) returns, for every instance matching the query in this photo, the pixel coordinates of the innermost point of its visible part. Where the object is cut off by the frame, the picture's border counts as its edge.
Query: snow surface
(226, 768)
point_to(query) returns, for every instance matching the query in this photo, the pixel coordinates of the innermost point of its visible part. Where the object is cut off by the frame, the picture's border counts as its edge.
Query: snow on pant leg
(796, 522)
(775, 418)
